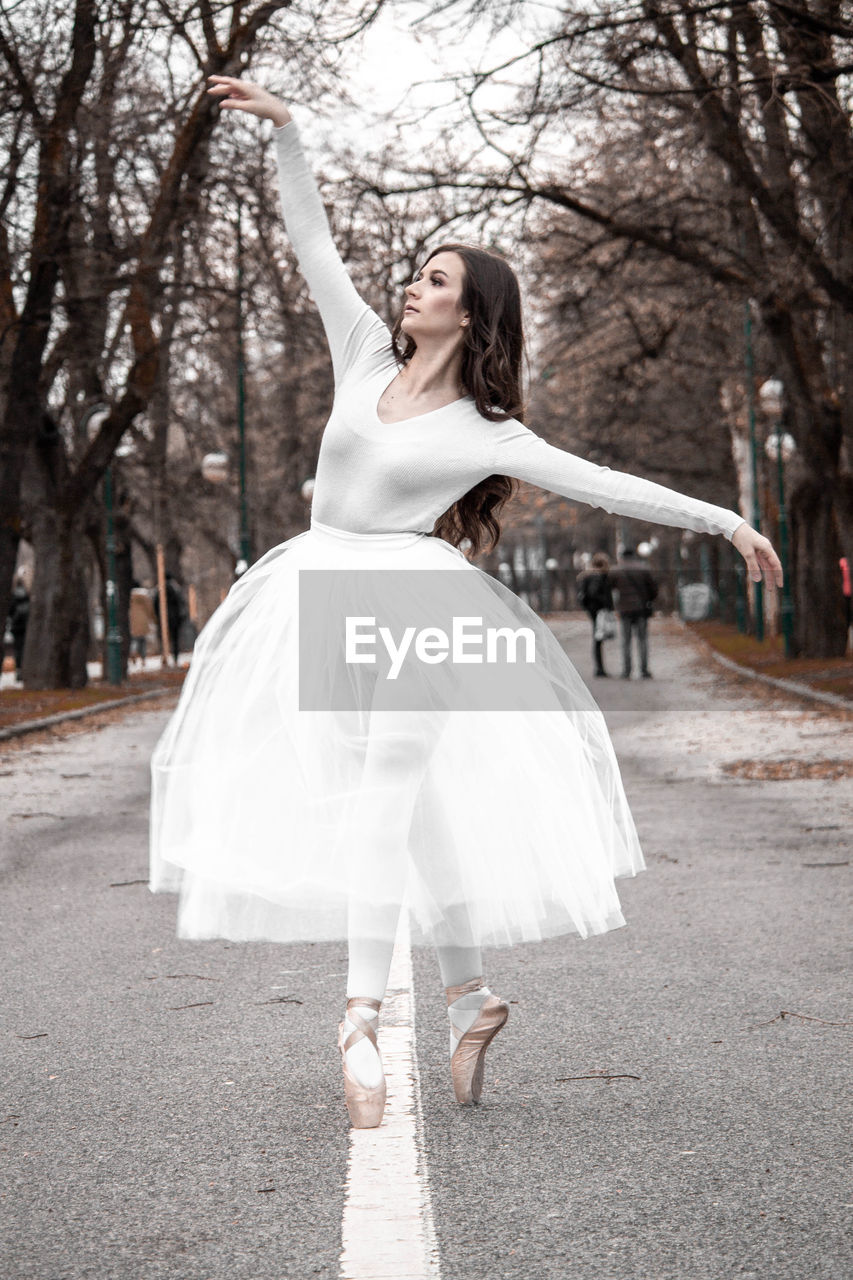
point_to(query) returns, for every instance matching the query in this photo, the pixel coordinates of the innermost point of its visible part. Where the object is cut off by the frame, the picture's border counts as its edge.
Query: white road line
(388, 1229)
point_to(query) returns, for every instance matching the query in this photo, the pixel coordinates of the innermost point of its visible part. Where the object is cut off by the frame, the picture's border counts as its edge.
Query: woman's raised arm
(519, 452)
(243, 95)
(347, 319)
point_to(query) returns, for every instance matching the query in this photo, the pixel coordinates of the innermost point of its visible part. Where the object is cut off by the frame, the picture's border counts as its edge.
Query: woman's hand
(758, 553)
(242, 95)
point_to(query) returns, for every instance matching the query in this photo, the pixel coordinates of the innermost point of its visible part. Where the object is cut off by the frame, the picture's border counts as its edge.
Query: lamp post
(214, 466)
(114, 672)
(544, 584)
(779, 446)
(552, 564)
(92, 421)
(758, 587)
(214, 469)
(245, 552)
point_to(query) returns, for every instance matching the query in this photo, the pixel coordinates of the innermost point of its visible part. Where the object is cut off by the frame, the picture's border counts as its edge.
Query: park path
(174, 1109)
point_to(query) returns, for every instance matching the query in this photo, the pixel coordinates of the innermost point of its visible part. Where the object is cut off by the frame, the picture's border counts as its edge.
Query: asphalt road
(174, 1109)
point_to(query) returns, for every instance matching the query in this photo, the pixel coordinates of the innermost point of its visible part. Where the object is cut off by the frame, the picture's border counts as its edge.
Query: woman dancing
(294, 795)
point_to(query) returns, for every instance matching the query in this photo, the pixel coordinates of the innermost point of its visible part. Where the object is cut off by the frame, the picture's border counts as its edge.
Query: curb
(30, 726)
(787, 686)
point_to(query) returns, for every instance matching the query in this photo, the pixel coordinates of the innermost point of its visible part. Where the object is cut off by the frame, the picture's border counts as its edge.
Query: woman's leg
(459, 964)
(643, 641)
(396, 752)
(625, 623)
(474, 1013)
(597, 655)
(18, 638)
(367, 977)
(460, 959)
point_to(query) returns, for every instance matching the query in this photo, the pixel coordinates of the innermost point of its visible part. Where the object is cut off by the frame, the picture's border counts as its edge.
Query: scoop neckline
(418, 417)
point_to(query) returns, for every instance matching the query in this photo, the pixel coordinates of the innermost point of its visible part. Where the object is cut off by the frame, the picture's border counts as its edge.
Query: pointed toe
(469, 1057)
(366, 1106)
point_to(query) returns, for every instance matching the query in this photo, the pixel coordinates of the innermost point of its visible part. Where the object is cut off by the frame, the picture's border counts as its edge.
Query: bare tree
(741, 114)
(107, 132)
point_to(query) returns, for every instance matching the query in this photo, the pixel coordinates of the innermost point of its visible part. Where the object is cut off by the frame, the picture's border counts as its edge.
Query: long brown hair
(491, 374)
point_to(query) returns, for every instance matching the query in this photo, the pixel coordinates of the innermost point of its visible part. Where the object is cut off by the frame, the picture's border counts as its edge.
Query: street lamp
(92, 421)
(217, 463)
(758, 587)
(552, 564)
(245, 553)
(214, 468)
(779, 446)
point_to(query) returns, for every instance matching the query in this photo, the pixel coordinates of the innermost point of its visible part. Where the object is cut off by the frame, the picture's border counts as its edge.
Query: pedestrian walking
(596, 596)
(142, 618)
(17, 618)
(283, 823)
(844, 566)
(176, 613)
(634, 588)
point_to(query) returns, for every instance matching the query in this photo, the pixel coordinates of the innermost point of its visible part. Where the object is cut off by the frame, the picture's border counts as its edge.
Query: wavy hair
(491, 373)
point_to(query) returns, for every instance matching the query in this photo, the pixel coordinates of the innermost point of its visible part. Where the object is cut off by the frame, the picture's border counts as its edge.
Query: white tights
(370, 963)
(396, 806)
(393, 799)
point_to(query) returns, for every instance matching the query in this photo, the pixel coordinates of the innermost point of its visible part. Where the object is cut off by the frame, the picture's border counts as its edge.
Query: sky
(395, 67)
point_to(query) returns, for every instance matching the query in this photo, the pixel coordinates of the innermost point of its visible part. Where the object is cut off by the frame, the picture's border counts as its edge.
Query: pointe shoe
(365, 1106)
(469, 1056)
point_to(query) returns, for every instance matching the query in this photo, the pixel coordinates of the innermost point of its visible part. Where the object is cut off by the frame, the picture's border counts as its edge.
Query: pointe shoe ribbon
(365, 1106)
(468, 1060)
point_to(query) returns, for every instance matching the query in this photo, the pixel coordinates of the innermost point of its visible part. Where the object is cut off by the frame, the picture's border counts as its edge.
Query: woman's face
(433, 309)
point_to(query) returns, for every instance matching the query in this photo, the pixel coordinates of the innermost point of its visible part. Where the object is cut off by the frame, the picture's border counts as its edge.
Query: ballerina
(299, 793)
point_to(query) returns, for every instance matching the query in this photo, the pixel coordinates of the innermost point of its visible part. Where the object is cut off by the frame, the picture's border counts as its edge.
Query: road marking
(388, 1228)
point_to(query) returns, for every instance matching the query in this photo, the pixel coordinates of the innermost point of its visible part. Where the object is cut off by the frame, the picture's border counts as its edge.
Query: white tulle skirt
(283, 821)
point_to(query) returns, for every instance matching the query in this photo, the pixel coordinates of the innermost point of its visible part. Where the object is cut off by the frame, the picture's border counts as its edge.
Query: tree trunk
(10, 540)
(816, 499)
(97, 538)
(57, 641)
(124, 572)
(820, 629)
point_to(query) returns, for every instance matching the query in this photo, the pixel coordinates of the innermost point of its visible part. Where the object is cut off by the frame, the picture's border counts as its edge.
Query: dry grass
(19, 706)
(829, 675)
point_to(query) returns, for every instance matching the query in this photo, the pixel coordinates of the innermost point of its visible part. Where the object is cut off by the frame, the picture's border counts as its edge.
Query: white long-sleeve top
(375, 477)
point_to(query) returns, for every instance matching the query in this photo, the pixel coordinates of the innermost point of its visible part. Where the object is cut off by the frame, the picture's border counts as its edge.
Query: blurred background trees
(716, 137)
(658, 171)
(117, 280)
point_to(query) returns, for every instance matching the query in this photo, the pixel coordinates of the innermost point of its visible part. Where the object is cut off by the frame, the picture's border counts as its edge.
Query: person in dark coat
(595, 594)
(19, 613)
(176, 612)
(635, 588)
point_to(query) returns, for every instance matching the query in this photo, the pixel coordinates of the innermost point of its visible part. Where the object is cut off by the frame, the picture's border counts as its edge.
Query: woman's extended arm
(521, 453)
(346, 318)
